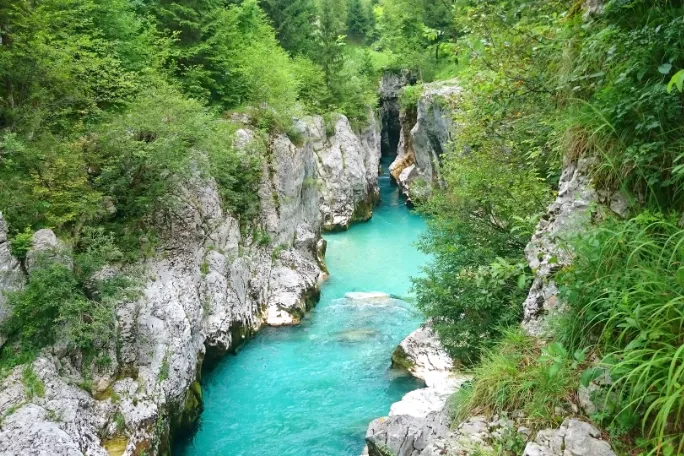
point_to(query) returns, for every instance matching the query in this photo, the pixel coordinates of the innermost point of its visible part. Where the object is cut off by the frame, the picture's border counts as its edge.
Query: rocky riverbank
(210, 287)
(421, 425)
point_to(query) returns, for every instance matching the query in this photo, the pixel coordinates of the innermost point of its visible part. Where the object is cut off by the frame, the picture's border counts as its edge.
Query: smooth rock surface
(424, 356)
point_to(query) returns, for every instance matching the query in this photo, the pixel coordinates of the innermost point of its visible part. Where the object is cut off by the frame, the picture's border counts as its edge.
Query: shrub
(409, 96)
(72, 305)
(22, 243)
(477, 278)
(625, 293)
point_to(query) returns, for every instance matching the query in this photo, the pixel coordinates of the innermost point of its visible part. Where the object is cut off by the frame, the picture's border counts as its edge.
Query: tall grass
(518, 374)
(626, 295)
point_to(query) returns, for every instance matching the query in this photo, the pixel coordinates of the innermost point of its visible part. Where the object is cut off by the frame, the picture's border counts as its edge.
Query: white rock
(424, 356)
(426, 137)
(212, 286)
(573, 438)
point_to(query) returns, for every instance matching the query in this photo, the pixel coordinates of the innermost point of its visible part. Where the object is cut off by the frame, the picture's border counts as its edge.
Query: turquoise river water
(311, 390)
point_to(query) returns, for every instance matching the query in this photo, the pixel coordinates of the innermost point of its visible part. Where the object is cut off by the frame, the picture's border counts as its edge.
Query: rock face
(390, 87)
(573, 438)
(425, 134)
(423, 355)
(11, 275)
(422, 416)
(547, 251)
(214, 285)
(347, 170)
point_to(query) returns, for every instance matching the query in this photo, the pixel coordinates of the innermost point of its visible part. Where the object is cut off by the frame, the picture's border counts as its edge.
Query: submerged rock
(356, 335)
(368, 296)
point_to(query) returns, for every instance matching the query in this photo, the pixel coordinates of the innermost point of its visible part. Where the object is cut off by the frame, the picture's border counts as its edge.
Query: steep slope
(213, 286)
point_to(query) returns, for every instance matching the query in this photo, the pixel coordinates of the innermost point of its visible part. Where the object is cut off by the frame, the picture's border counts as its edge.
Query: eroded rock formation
(213, 286)
(424, 137)
(422, 416)
(347, 170)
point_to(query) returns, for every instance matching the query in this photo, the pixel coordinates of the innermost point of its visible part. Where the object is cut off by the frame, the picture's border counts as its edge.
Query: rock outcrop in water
(424, 137)
(214, 285)
(422, 415)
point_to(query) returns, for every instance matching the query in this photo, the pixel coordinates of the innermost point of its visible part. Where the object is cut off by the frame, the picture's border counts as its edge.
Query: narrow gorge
(341, 228)
(216, 287)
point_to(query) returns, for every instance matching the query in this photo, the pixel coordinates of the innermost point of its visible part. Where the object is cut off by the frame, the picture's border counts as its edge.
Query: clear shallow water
(311, 390)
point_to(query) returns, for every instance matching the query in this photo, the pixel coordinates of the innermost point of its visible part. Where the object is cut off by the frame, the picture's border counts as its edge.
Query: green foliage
(409, 96)
(67, 304)
(33, 385)
(360, 19)
(519, 375)
(293, 21)
(22, 243)
(477, 279)
(626, 299)
(417, 32)
(617, 75)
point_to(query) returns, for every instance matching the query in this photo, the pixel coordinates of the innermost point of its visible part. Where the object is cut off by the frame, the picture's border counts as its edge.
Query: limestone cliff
(211, 286)
(425, 134)
(347, 169)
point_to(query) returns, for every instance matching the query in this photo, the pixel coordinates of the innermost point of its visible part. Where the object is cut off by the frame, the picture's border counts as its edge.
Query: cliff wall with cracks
(347, 170)
(425, 135)
(212, 286)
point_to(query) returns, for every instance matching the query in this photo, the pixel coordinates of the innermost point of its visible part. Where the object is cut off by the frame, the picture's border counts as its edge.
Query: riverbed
(311, 390)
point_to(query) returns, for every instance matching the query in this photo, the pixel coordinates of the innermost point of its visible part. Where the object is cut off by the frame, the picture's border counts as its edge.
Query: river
(311, 390)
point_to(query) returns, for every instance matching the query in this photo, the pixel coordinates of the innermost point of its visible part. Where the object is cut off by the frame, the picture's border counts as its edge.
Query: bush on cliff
(73, 304)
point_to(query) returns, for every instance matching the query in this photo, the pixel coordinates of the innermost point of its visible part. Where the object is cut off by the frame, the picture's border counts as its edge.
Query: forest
(105, 105)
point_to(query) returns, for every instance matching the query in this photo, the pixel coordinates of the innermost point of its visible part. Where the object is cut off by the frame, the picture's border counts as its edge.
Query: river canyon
(317, 385)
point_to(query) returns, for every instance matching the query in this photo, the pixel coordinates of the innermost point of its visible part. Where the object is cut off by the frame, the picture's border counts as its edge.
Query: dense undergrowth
(544, 82)
(109, 110)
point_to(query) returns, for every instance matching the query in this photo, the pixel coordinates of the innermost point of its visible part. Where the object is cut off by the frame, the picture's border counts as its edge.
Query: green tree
(293, 21)
(358, 22)
(330, 31)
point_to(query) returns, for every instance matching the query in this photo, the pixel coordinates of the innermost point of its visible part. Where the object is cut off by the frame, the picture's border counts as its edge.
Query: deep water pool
(311, 390)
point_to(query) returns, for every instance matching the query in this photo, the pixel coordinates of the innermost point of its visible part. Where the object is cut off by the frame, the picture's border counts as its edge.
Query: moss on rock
(401, 360)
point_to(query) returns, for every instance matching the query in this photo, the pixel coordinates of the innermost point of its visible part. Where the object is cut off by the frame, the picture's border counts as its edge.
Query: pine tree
(357, 19)
(293, 21)
(330, 34)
